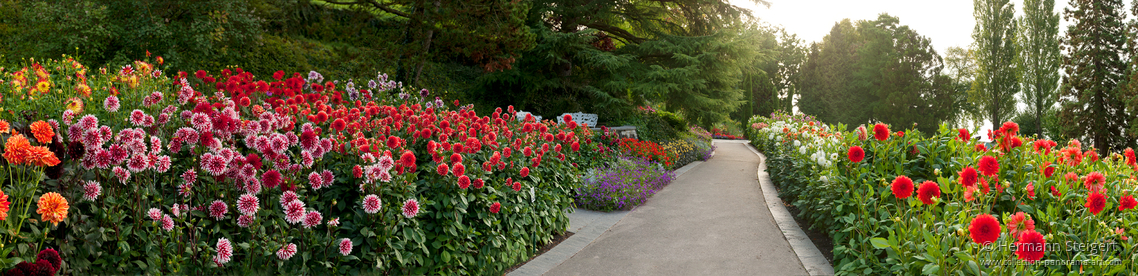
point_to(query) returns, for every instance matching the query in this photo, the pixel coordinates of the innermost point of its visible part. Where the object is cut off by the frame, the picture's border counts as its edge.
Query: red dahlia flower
(495, 208)
(881, 132)
(968, 177)
(856, 154)
(1126, 203)
(1020, 223)
(407, 159)
(1030, 190)
(458, 169)
(1095, 202)
(902, 187)
(963, 135)
(1095, 182)
(1130, 159)
(989, 166)
(927, 192)
(1030, 246)
(984, 229)
(443, 169)
(463, 182)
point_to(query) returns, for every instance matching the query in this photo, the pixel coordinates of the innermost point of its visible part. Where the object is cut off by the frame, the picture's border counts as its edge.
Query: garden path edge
(808, 254)
(586, 226)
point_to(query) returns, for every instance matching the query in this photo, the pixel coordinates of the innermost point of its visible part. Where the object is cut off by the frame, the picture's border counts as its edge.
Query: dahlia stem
(40, 244)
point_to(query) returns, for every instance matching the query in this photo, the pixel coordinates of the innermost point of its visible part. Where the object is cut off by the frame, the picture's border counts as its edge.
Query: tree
(994, 87)
(1129, 85)
(903, 74)
(771, 83)
(960, 66)
(490, 33)
(877, 70)
(1039, 59)
(1090, 99)
(827, 77)
(605, 56)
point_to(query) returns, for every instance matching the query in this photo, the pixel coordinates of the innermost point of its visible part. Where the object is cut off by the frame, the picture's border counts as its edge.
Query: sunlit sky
(947, 23)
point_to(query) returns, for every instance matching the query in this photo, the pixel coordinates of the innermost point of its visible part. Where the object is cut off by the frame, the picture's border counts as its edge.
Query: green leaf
(879, 243)
(930, 269)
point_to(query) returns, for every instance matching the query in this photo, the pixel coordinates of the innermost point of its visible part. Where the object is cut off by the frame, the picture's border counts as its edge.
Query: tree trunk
(423, 58)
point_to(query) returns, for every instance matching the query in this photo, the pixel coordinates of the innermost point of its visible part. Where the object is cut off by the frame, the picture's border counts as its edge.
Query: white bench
(581, 118)
(521, 116)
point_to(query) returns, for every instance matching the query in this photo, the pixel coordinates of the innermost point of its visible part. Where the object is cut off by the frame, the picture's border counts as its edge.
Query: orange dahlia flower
(52, 208)
(4, 127)
(42, 132)
(15, 150)
(41, 156)
(4, 206)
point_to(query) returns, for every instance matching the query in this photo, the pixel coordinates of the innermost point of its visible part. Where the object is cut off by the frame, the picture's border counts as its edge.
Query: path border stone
(586, 226)
(811, 258)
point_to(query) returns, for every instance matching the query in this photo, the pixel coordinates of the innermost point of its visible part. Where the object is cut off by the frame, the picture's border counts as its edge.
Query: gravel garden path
(712, 220)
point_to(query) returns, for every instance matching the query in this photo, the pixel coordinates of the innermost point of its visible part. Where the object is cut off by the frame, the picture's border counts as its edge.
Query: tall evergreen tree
(994, 88)
(1129, 85)
(1090, 97)
(1039, 58)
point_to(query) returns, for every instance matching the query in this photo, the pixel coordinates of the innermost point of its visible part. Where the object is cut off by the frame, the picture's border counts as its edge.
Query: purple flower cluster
(622, 185)
(707, 155)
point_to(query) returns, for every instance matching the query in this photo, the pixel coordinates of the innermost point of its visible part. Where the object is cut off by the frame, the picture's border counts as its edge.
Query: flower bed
(687, 149)
(622, 184)
(200, 173)
(724, 134)
(915, 203)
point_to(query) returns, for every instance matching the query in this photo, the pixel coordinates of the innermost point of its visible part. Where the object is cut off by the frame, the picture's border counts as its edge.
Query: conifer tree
(1090, 97)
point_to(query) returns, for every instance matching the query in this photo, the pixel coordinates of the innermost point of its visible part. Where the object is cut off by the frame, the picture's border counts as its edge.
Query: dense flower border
(196, 172)
(914, 203)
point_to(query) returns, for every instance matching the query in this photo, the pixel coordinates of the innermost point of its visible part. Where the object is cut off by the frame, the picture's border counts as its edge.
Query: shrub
(622, 184)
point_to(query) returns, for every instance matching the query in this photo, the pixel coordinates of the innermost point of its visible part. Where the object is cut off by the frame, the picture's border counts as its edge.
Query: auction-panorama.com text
(994, 263)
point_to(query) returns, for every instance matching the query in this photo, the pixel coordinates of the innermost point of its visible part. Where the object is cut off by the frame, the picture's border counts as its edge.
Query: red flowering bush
(646, 149)
(219, 173)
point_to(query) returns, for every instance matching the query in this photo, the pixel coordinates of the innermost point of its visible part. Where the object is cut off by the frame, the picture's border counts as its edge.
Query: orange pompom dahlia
(43, 132)
(52, 208)
(16, 149)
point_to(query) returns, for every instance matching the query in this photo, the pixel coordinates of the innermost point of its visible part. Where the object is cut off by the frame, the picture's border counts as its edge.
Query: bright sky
(947, 23)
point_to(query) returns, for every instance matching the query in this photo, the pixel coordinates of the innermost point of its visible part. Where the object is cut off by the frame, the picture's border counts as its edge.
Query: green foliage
(771, 82)
(606, 57)
(994, 88)
(1091, 100)
(876, 231)
(877, 71)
